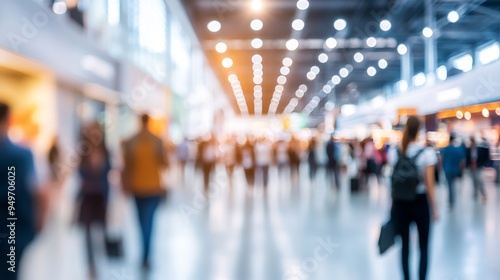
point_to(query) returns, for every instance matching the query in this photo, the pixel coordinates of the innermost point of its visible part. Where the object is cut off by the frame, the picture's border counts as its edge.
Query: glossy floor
(304, 232)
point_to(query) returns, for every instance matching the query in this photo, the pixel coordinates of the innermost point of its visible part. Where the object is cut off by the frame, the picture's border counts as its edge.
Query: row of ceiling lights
(238, 93)
(293, 44)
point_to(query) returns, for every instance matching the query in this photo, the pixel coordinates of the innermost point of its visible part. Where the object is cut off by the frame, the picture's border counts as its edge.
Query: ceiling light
(258, 72)
(327, 88)
(227, 62)
(485, 112)
(419, 79)
(385, 25)
(371, 71)
(371, 42)
(358, 57)
(323, 57)
(336, 80)
(256, 24)
(285, 70)
(497, 111)
(232, 78)
(281, 80)
(402, 49)
(256, 58)
(287, 61)
(214, 26)
(257, 94)
(298, 24)
(257, 43)
(453, 16)
(279, 88)
(459, 114)
(256, 5)
(467, 115)
(331, 43)
(292, 44)
(343, 72)
(442, 72)
(302, 5)
(257, 66)
(257, 88)
(427, 32)
(59, 7)
(349, 67)
(315, 70)
(303, 88)
(311, 76)
(257, 80)
(221, 47)
(340, 24)
(382, 64)
(299, 93)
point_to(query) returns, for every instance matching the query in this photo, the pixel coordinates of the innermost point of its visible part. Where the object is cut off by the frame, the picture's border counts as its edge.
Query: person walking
(263, 159)
(453, 160)
(145, 159)
(478, 157)
(17, 189)
(413, 201)
(333, 164)
(312, 159)
(207, 155)
(94, 189)
(247, 161)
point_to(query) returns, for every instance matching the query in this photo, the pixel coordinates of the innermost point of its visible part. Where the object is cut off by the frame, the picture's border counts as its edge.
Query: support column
(407, 67)
(430, 43)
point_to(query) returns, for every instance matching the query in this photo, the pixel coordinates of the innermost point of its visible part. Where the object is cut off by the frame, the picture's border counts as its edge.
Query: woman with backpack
(413, 193)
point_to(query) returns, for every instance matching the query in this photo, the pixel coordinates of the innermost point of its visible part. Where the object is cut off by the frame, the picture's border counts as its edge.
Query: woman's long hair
(410, 132)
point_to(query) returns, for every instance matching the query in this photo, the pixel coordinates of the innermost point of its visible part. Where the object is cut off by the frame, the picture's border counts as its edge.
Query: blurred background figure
(371, 161)
(312, 159)
(333, 164)
(453, 158)
(294, 157)
(207, 157)
(229, 157)
(477, 158)
(183, 153)
(263, 159)
(281, 158)
(145, 160)
(17, 177)
(94, 188)
(247, 161)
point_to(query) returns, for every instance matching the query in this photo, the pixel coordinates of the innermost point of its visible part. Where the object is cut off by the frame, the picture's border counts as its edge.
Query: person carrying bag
(413, 196)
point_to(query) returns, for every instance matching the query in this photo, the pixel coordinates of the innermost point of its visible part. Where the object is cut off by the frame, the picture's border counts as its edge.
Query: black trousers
(404, 214)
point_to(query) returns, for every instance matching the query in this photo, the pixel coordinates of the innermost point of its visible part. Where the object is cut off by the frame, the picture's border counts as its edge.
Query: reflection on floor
(305, 232)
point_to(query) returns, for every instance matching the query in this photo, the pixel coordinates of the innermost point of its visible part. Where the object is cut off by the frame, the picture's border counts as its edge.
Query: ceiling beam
(311, 44)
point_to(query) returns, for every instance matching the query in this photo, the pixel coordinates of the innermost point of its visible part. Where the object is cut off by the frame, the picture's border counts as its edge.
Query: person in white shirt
(263, 158)
(420, 209)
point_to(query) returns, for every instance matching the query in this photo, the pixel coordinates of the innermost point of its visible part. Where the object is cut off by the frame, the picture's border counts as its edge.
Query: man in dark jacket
(478, 157)
(333, 164)
(17, 200)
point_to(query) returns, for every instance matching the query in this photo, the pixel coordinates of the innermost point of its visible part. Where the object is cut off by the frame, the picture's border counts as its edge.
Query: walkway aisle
(309, 232)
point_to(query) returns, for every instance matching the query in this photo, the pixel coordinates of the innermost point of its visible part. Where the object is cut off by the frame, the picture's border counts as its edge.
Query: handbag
(387, 236)
(114, 247)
